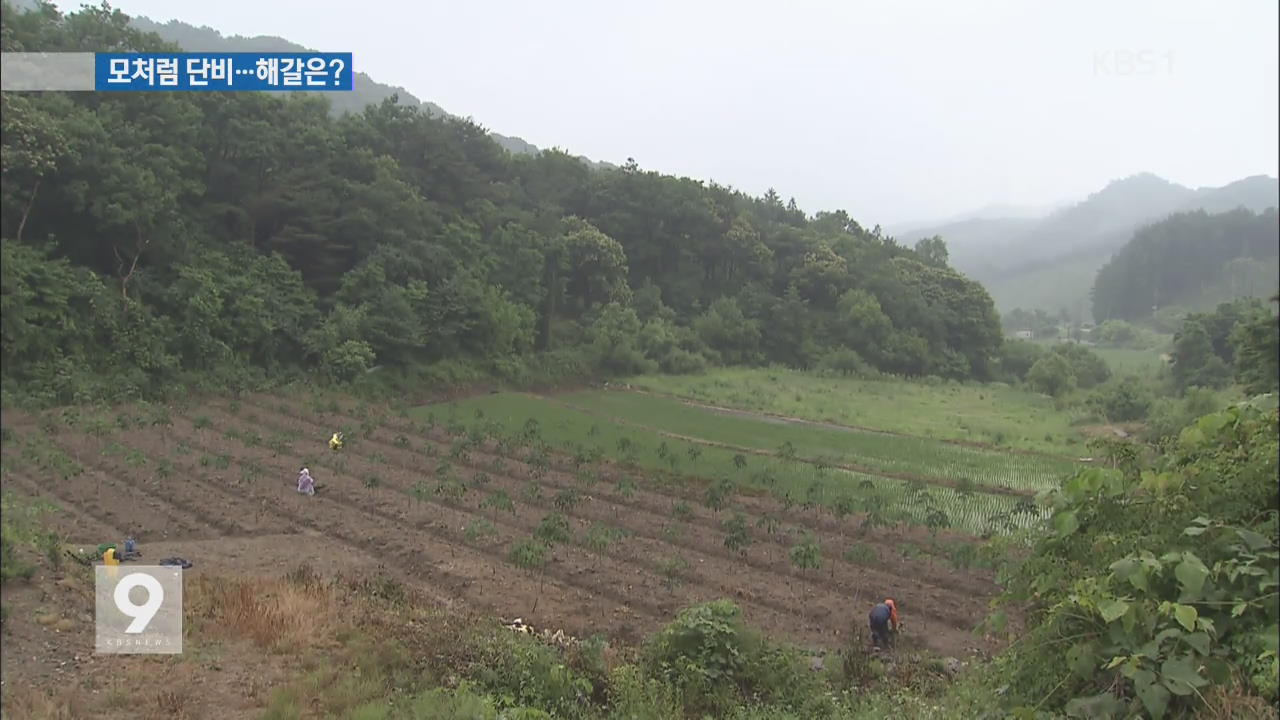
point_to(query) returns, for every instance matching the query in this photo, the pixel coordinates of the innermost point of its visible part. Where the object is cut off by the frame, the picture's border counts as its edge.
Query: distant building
(1024, 335)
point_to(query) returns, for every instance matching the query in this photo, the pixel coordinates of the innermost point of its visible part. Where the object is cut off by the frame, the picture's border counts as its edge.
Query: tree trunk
(27, 210)
(125, 277)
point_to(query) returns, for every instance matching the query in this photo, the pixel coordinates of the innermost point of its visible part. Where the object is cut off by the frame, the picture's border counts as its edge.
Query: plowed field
(431, 510)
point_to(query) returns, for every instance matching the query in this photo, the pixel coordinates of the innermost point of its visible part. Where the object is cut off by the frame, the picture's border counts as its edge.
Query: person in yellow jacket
(335, 442)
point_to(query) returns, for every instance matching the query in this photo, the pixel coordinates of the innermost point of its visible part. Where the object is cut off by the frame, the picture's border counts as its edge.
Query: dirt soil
(401, 500)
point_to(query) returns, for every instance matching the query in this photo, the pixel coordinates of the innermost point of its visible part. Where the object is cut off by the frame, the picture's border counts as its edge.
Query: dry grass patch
(276, 615)
(30, 703)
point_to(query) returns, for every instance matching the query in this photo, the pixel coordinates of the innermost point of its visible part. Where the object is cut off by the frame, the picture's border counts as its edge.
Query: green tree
(1051, 375)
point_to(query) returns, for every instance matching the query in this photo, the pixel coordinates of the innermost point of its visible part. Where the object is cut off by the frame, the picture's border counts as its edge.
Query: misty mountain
(994, 211)
(1050, 262)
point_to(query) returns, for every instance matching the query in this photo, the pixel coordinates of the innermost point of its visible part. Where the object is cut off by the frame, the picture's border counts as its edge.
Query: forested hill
(1191, 259)
(366, 91)
(157, 237)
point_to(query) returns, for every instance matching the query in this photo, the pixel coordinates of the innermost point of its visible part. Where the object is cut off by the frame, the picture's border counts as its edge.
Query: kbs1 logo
(138, 609)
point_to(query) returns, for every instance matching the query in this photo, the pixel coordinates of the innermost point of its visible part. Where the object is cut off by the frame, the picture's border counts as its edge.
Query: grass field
(996, 414)
(877, 452)
(590, 436)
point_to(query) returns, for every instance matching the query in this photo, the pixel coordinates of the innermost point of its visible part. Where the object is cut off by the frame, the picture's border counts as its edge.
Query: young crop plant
(813, 496)
(533, 491)
(694, 452)
(625, 487)
(531, 554)
(599, 537)
(718, 495)
(681, 511)
(807, 554)
(554, 528)
(737, 535)
(500, 501)
(419, 491)
(480, 480)
(588, 478)
(567, 499)
(451, 490)
(673, 569)
(530, 431)
(477, 529)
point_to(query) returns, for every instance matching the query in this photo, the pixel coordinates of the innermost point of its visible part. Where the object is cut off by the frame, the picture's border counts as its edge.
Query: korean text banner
(141, 72)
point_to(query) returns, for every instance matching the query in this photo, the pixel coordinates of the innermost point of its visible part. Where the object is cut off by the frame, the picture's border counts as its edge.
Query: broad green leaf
(1098, 707)
(1065, 523)
(1239, 609)
(1112, 609)
(1186, 616)
(1193, 530)
(1199, 642)
(1131, 570)
(1115, 661)
(1154, 697)
(1191, 574)
(1255, 541)
(1180, 675)
(1219, 670)
(1124, 567)
(1082, 659)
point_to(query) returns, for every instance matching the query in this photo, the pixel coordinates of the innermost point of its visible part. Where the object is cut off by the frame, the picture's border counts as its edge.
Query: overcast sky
(895, 111)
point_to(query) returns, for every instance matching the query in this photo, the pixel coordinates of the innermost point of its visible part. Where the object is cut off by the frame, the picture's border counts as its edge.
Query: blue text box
(233, 72)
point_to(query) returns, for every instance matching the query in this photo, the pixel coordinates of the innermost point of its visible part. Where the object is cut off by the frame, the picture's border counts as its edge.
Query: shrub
(714, 661)
(1122, 399)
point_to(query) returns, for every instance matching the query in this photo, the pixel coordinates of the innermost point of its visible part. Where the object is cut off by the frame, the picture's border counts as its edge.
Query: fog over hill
(1049, 262)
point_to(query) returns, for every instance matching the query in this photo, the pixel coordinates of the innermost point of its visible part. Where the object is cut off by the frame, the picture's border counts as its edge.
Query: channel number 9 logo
(142, 614)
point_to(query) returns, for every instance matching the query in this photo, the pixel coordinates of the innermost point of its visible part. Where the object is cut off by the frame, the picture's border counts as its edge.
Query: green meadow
(999, 415)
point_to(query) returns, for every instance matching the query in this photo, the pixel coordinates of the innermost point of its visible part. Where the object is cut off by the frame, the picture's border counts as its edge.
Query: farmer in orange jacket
(884, 621)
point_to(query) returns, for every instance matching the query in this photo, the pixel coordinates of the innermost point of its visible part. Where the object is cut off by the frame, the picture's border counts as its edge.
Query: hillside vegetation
(1190, 259)
(199, 289)
(235, 235)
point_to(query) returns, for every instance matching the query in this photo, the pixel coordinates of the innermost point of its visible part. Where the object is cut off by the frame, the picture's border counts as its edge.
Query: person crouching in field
(884, 622)
(306, 485)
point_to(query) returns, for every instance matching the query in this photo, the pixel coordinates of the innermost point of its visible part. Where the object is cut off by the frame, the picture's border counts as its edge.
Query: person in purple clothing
(306, 485)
